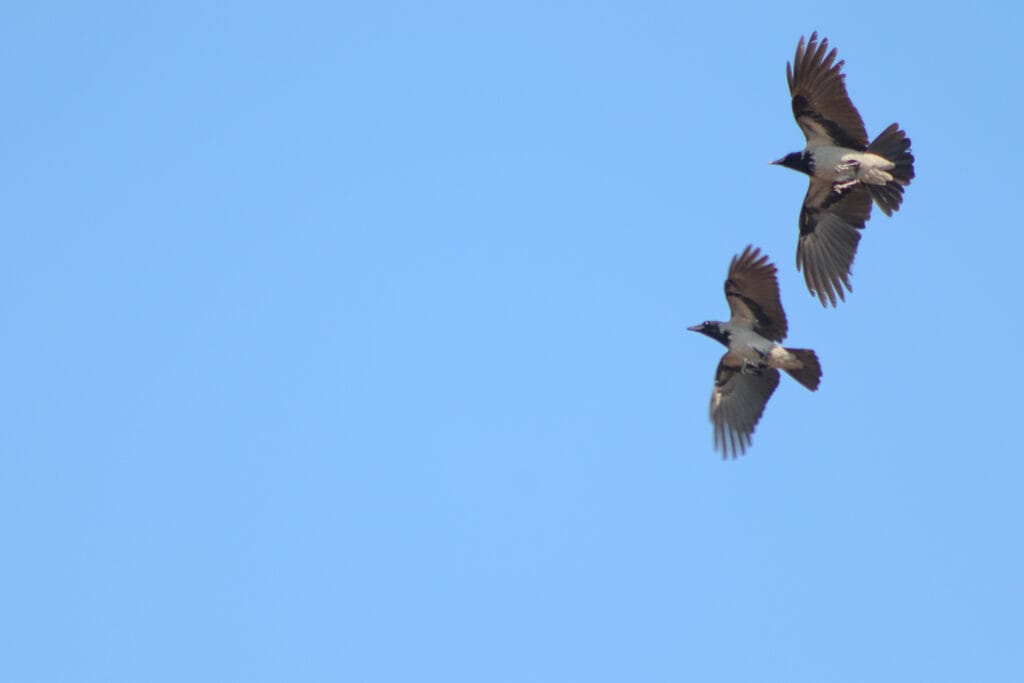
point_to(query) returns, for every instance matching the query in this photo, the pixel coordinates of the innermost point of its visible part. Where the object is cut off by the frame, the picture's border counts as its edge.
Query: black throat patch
(716, 331)
(799, 161)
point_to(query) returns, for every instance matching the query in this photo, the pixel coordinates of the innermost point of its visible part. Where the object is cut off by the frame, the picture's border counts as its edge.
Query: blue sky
(347, 342)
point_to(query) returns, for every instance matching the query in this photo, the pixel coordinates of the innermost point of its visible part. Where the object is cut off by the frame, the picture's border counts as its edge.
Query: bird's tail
(809, 372)
(894, 145)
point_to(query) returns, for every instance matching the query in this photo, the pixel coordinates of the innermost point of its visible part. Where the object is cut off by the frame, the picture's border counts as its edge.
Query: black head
(798, 161)
(715, 330)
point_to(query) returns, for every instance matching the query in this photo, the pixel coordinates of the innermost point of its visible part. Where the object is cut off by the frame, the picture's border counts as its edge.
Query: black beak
(777, 162)
(695, 328)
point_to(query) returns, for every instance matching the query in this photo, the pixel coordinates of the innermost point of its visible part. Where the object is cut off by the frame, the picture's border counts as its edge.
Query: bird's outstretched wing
(830, 224)
(821, 105)
(737, 402)
(752, 291)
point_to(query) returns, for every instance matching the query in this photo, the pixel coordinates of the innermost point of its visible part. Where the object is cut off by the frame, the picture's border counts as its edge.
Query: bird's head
(713, 329)
(798, 161)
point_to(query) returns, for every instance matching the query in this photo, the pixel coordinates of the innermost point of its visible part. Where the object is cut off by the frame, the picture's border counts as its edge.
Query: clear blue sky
(348, 343)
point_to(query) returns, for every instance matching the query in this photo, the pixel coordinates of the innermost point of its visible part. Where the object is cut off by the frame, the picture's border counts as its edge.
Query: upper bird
(749, 371)
(846, 172)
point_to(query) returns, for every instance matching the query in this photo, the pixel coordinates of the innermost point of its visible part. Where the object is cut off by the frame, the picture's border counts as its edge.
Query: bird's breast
(834, 164)
(750, 345)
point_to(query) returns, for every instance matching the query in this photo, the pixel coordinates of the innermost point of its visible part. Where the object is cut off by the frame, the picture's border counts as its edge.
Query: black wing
(752, 291)
(830, 224)
(737, 402)
(821, 105)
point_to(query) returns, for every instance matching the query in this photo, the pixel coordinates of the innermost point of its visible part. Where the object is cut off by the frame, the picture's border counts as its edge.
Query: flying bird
(846, 173)
(749, 371)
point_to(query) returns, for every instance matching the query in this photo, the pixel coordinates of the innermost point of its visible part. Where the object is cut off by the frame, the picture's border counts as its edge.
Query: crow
(749, 371)
(846, 173)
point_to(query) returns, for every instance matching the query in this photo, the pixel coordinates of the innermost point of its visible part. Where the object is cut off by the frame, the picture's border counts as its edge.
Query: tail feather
(809, 372)
(894, 145)
(888, 197)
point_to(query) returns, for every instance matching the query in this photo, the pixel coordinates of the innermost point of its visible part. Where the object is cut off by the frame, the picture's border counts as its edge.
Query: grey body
(844, 165)
(755, 349)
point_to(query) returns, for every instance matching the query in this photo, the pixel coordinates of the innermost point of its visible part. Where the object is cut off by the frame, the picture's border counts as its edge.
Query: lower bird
(748, 373)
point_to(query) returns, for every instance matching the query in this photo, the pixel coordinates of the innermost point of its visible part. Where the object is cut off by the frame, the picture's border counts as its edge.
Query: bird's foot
(847, 166)
(751, 367)
(840, 188)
